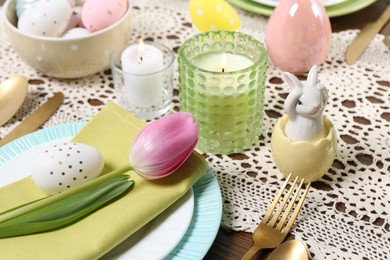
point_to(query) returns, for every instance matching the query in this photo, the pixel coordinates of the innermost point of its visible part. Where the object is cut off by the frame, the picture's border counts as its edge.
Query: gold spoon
(13, 91)
(290, 250)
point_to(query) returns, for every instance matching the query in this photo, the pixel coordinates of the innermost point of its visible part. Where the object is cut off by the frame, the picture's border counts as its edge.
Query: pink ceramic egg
(99, 14)
(298, 35)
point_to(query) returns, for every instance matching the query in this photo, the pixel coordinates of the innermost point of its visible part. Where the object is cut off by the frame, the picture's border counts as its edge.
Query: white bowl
(67, 58)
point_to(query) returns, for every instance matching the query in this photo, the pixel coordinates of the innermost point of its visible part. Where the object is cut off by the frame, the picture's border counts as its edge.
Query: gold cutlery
(272, 231)
(290, 250)
(35, 120)
(386, 40)
(363, 39)
(13, 91)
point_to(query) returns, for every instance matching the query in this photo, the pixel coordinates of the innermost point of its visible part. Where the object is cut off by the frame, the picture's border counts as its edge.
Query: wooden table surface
(233, 245)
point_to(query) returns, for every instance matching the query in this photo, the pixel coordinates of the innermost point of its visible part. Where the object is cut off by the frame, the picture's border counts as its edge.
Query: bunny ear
(292, 81)
(324, 92)
(312, 77)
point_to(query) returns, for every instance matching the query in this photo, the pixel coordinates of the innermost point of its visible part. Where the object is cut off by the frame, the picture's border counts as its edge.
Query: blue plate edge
(41, 136)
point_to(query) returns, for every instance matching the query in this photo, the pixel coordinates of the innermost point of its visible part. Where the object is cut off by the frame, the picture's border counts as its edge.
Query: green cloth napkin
(111, 131)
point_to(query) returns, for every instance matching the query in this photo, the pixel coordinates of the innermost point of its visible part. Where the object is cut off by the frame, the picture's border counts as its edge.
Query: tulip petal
(163, 145)
(163, 170)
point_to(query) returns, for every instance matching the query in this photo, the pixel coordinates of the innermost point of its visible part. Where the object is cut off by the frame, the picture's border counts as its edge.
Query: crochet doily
(346, 214)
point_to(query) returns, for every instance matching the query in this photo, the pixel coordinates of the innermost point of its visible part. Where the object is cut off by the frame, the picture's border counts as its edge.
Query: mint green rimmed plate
(207, 210)
(343, 8)
(276, 2)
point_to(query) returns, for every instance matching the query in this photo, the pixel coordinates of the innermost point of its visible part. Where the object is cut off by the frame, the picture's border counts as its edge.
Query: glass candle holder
(143, 78)
(221, 82)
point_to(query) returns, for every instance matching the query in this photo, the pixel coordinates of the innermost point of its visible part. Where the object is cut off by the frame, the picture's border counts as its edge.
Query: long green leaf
(28, 207)
(66, 211)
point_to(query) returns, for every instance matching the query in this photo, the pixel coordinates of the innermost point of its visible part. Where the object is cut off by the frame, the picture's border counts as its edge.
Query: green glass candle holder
(221, 82)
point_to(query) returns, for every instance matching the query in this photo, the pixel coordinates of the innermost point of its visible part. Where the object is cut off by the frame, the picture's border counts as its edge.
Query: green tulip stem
(28, 207)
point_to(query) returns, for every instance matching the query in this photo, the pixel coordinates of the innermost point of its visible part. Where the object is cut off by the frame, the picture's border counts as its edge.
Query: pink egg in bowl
(68, 57)
(98, 14)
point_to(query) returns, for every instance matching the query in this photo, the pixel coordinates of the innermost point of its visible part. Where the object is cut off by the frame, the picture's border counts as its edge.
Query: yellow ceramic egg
(309, 160)
(212, 15)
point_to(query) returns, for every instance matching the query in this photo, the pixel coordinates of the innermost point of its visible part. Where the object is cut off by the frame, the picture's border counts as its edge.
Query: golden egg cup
(308, 160)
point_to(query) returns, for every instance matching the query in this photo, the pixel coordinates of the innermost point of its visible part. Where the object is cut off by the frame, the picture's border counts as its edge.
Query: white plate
(171, 225)
(274, 3)
(164, 233)
(207, 209)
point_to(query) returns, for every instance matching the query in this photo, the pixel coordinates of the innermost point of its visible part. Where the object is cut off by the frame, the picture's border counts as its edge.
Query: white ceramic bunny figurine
(304, 106)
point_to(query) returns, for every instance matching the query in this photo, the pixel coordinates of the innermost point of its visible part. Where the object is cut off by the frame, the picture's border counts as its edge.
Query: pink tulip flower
(163, 145)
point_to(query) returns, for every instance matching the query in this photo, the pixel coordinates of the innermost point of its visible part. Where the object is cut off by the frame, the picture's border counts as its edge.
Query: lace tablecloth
(347, 213)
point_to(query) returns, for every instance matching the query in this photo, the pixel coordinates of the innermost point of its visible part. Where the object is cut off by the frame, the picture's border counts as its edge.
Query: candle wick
(223, 69)
(140, 60)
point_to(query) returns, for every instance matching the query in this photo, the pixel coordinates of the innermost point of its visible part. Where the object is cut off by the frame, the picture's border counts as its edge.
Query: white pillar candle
(222, 62)
(143, 84)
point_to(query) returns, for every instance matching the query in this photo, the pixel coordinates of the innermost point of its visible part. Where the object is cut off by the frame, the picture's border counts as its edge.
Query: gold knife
(35, 120)
(360, 43)
(386, 40)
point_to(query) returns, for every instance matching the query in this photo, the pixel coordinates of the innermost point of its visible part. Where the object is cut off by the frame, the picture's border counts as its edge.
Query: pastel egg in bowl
(72, 57)
(309, 160)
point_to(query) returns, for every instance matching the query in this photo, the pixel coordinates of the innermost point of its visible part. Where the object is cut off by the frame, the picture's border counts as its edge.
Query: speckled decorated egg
(65, 165)
(100, 14)
(22, 5)
(46, 18)
(213, 15)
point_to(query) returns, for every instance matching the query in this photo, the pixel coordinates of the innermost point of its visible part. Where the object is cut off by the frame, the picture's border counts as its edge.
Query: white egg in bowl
(64, 57)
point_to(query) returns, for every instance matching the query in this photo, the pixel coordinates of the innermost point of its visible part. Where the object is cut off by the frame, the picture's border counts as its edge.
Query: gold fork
(271, 233)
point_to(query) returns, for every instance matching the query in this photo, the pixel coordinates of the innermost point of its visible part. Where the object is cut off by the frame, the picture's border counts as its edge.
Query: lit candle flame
(141, 50)
(223, 61)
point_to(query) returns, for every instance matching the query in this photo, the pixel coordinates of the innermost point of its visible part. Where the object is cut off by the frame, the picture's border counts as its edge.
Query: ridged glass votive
(221, 82)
